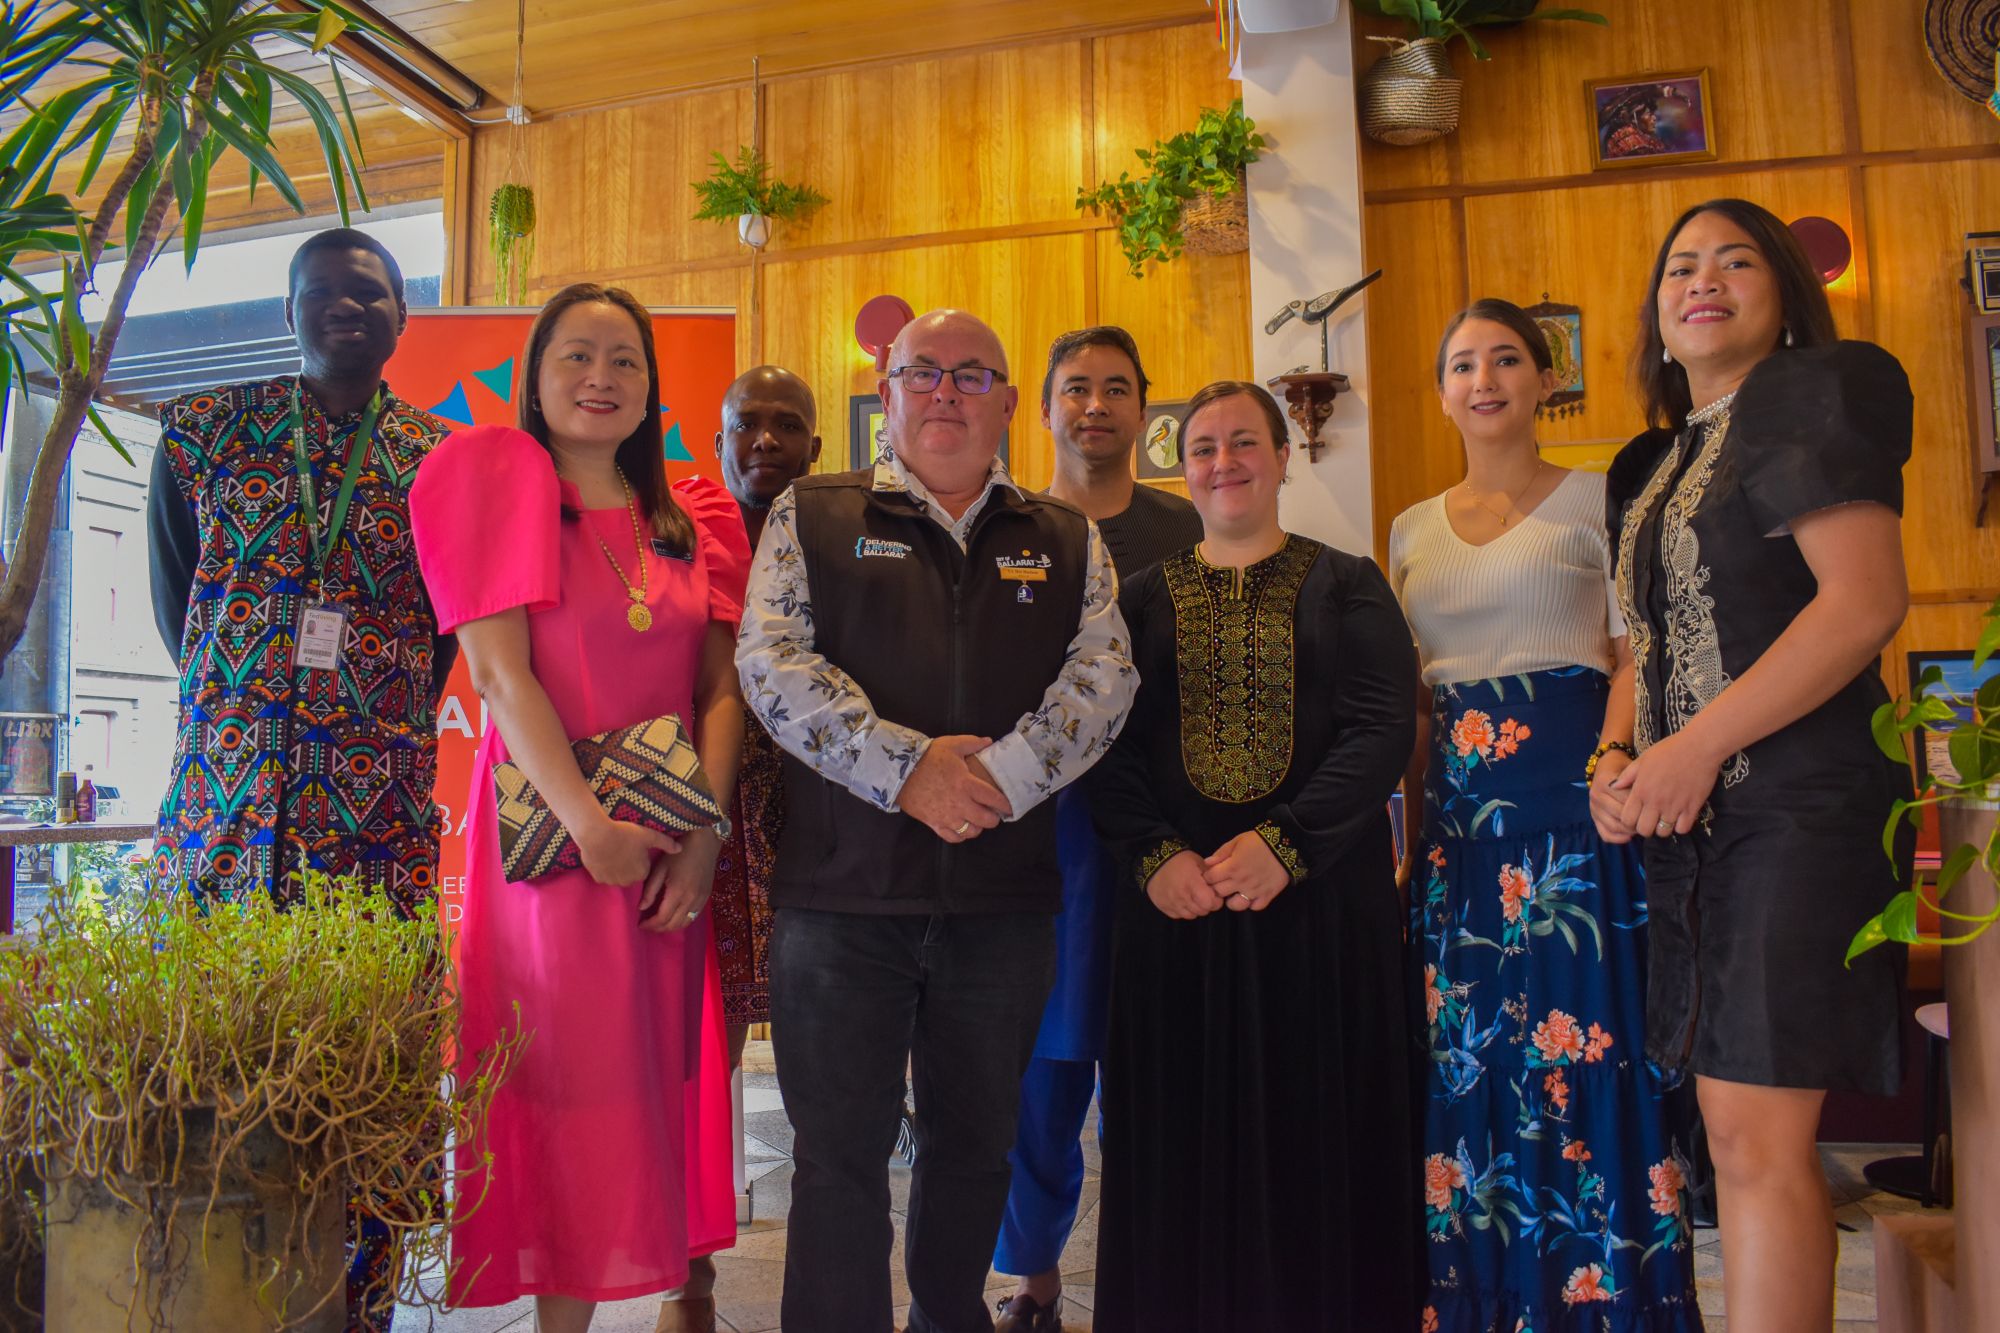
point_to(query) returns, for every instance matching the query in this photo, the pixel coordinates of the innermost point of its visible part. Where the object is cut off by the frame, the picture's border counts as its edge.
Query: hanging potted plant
(1411, 95)
(199, 1093)
(1193, 197)
(510, 217)
(1966, 796)
(745, 194)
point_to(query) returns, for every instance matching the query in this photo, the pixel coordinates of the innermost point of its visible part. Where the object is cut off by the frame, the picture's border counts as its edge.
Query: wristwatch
(1590, 764)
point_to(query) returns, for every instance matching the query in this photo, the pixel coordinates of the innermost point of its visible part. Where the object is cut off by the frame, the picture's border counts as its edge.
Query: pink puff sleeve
(486, 514)
(725, 543)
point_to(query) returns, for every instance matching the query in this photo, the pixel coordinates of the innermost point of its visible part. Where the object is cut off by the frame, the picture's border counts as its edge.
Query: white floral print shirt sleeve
(812, 708)
(819, 714)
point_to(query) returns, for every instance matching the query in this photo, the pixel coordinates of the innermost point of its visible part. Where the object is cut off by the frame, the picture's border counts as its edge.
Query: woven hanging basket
(1961, 37)
(1410, 95)
(1217, 224)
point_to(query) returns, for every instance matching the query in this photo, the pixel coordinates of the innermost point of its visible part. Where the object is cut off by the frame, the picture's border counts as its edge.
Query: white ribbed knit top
(1537, 596)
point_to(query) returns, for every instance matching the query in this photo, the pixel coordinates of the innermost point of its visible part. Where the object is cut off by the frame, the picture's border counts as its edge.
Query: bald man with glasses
(938, 652)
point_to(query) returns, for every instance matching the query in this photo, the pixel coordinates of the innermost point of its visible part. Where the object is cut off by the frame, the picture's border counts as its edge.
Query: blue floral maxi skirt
(1555, 1181)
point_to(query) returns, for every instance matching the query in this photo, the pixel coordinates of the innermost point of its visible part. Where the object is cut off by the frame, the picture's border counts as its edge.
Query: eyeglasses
(969, 379)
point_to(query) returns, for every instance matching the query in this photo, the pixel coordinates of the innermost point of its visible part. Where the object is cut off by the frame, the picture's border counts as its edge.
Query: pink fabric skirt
(606, 1159)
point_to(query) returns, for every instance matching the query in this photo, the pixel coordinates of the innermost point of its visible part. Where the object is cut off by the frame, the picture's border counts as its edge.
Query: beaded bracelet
(1590, 764)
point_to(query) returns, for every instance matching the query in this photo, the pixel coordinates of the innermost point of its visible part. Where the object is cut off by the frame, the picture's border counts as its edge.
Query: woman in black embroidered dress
(1260, 1151)
(1760, 569)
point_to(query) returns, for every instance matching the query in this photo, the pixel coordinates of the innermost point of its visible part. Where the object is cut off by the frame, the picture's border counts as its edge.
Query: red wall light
(1826, 246)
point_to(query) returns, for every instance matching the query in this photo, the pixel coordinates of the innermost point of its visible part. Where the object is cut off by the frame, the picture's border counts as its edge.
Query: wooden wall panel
(611, 189)
(1524, 113)
(974, 141)
(1418, 247)
(953, 182)
(1152, 85)
(1190, 318)
(1029, 290)
(1594, 249)
(1830, 99)
(1917, 215)
(1903, 101)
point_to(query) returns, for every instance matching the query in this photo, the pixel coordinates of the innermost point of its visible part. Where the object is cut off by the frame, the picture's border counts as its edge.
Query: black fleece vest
(948, 643)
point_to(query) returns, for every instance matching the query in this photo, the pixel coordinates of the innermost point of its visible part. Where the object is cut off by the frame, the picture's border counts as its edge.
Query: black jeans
(853, 997)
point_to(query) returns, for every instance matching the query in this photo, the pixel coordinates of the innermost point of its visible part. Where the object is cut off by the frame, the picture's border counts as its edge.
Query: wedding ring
(964, 825)
(1246, 897)
(1664, 826)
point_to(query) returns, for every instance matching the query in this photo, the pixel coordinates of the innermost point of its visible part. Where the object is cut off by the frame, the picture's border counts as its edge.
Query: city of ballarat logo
(1023, 568)
(865, 547)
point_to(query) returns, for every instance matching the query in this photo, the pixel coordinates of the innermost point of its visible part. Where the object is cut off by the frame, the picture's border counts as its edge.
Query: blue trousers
(1047, 1163)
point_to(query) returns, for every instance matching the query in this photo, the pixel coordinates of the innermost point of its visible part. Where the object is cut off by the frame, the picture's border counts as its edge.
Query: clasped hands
(1243, 875)
(675, 873)
(951, 793)
(1659, 794)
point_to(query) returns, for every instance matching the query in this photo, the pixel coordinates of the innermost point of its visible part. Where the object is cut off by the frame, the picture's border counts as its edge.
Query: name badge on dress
(322, 630)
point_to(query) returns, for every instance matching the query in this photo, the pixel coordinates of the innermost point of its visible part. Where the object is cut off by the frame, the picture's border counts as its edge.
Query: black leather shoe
(1024, 1314)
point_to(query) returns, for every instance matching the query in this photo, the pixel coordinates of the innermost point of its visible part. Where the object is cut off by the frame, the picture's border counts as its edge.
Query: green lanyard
(357, 452)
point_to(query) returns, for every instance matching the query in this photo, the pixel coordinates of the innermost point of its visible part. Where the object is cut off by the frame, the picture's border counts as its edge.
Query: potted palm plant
(190, 84)
(200, 1092)
(1963, 785)
(744, 192)
(1193, 195)
(1411, 95)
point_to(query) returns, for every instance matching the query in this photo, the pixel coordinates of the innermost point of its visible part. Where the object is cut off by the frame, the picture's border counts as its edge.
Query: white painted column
(1305, 239)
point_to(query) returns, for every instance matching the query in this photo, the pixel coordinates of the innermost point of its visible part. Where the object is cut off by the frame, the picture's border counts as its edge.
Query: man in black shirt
(1094, 403)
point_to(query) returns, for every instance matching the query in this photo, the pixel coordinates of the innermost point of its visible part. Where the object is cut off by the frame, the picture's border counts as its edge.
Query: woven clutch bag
(645, 774)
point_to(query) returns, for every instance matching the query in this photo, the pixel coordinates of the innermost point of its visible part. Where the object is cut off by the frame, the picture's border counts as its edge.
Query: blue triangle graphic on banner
(455, 407)
(675, 449)
(500, 379)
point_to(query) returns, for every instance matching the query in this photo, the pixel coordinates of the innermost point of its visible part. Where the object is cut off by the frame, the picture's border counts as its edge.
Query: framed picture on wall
(1933, 754)
(864, 432)
(1158, 454)
(864, 429)
(1643, 120)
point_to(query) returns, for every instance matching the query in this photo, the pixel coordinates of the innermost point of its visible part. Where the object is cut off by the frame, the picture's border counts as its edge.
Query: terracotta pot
(251, 1262)
(1972, 988)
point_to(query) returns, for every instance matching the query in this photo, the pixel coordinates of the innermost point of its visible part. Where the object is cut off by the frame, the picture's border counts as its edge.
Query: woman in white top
(1554, 1175)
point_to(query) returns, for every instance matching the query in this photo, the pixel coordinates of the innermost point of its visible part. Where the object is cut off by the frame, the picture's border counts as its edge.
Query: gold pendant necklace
(1513, 501)
(636, 615)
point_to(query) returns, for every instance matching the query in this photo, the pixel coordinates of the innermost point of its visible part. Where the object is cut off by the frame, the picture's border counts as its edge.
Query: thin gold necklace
(1513, 501)
(636, 615)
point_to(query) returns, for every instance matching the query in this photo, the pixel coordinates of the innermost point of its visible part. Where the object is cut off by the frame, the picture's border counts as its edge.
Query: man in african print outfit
(285, 584)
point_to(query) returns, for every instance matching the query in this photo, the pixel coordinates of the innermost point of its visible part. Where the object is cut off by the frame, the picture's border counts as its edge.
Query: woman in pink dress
(586, 595)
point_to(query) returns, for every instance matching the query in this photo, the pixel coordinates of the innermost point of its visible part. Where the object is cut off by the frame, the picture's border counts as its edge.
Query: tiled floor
(749, 1276)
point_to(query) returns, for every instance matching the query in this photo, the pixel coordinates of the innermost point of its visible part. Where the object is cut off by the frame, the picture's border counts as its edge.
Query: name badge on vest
(1024, 568)
(322, 630)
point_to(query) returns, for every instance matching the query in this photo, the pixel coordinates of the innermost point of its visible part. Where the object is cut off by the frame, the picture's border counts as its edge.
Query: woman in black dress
(1760, 568)
(1260, 1129)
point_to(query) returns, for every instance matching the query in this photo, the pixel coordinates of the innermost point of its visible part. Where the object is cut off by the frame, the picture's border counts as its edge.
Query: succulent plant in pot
(201, 1092)
(743, 192)
(1411, 95)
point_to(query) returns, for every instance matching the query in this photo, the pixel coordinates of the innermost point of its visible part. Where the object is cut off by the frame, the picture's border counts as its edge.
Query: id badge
(322, 630)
